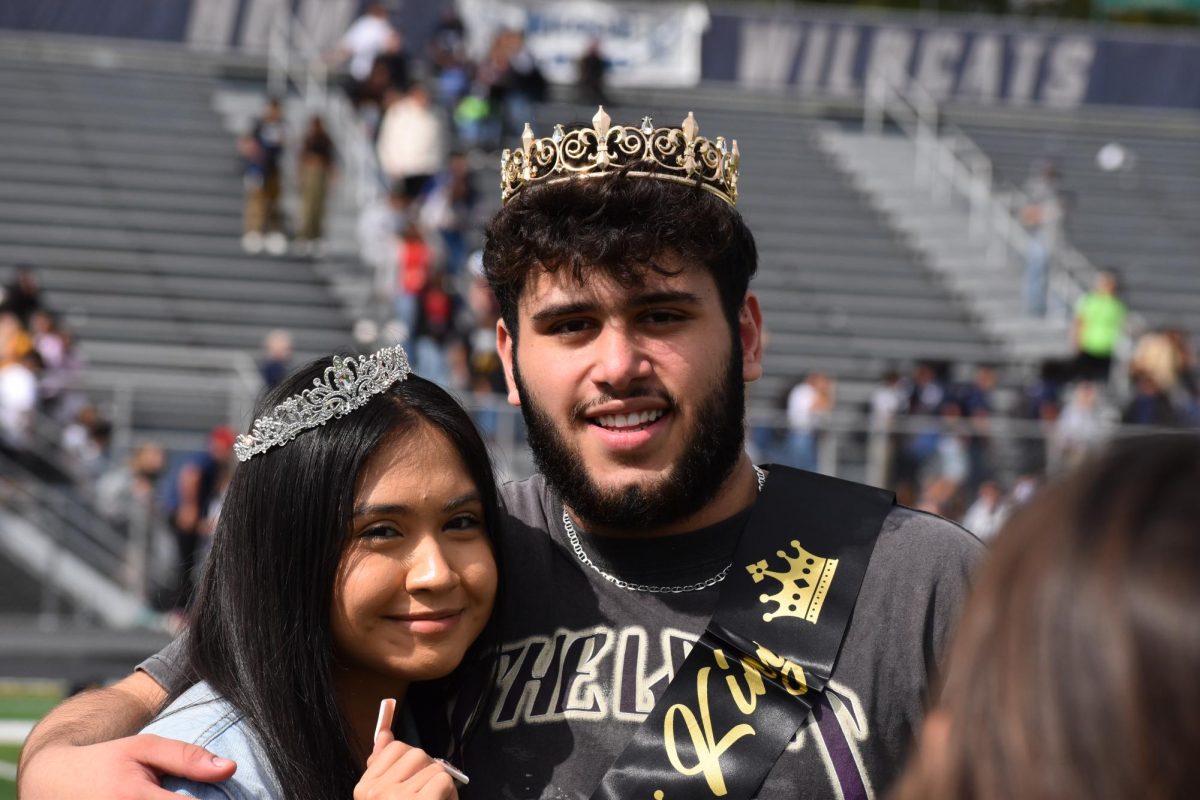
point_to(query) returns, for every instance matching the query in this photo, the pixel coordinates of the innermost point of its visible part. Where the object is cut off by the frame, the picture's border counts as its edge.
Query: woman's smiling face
(418, 579)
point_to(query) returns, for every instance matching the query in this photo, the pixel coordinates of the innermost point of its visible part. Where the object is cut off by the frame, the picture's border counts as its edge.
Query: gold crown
(678, 154)
(804, 584)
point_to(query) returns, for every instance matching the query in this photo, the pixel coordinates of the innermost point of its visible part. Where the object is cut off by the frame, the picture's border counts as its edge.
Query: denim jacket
(202, 717)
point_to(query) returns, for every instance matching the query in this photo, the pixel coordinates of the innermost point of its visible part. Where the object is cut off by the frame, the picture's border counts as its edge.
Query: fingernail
(220, 763)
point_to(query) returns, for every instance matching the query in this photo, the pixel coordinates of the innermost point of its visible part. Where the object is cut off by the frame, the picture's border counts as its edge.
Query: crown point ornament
(601, 122)
(558, 134)
(690, 128)
(647, 125)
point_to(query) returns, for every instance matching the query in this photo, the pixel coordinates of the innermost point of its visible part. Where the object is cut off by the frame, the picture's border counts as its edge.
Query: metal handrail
(71, 520)
(951, 164)
(295, 58)
(948, 161)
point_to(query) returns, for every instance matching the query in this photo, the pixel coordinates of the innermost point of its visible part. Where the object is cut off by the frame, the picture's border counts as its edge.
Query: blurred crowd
(433, 118)
(973, 449)
(41, 370)
(958, 442)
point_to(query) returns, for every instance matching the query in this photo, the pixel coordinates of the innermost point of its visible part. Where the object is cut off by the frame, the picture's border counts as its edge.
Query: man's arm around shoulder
(85, 748)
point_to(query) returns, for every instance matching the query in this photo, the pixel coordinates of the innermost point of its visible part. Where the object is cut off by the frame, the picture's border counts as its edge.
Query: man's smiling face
(633, 394)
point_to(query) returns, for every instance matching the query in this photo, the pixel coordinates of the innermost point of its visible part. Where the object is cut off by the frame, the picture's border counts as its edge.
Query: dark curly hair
(622, 226)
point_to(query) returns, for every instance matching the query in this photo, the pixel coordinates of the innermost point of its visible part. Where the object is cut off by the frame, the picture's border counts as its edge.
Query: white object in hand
(387, 710)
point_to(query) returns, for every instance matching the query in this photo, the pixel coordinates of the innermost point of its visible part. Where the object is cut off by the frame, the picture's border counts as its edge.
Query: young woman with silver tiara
(353, 558)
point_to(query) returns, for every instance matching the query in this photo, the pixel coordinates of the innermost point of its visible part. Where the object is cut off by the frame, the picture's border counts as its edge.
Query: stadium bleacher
(122, 188)
(1138, 218)
(120, 184)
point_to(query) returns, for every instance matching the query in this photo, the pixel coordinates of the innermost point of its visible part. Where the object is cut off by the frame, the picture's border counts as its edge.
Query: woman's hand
(397, 771)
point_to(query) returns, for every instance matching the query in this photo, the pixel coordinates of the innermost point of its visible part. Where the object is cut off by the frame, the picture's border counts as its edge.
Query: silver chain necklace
(582, 555)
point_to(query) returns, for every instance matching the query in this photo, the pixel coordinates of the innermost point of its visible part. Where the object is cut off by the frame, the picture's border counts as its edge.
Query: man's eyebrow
(567, 309)
(556, 310)
(400, 509)
(657, 298)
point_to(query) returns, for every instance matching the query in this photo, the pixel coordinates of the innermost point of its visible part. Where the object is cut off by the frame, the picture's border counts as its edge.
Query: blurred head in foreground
(1075, 672)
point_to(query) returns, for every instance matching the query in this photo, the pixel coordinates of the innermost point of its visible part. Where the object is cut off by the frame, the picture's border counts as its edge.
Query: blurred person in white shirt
(412, 141)
(18, 399)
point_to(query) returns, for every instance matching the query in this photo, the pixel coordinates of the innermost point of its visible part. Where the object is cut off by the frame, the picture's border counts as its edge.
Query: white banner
(645, 44)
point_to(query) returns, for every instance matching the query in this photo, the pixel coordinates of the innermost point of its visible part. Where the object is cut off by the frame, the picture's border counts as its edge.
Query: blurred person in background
(127, 497)
(1150, 405)
(416, 260)
(449, 209)
(412, 141)
(18, 400)
(809, 404)
(592, 67)
(15, 341)
(944, 471)
(926, 393)
(22, 296)
(1072, 674)
(368, 37)
(1099, 323)
(989, 511)
(447, 55)
(1081, 428)
(886, 404)
(77, 439)
(261, 150)
(196, 484)
(977, 399)
(1188, 390)
(316, 171)
(276, 361)
(1042, 215)
(523, 83)
(1164, 359)
(435, 333)
(62, 365)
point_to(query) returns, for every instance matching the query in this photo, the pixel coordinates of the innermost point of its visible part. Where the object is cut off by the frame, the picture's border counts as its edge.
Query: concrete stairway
(1140, 219)
(938, 229)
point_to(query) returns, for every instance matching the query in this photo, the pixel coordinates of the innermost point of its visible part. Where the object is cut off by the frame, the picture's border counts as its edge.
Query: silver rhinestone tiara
(346, 385)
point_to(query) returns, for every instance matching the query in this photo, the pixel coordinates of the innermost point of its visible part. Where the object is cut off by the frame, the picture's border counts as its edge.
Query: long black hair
(260, 632)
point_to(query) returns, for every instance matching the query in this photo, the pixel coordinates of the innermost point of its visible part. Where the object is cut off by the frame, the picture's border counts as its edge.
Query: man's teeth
(629, 420)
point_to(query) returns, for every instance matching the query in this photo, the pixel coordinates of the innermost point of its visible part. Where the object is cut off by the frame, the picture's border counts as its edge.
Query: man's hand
(83, 748)
(123, 769)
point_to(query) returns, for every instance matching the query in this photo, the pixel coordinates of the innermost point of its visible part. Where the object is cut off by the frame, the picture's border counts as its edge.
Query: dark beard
(714, 444)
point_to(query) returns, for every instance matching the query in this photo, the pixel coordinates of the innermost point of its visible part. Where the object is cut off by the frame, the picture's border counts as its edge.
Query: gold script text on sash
(704, 741)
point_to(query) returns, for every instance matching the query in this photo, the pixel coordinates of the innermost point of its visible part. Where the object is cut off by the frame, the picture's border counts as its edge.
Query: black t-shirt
(584, 660)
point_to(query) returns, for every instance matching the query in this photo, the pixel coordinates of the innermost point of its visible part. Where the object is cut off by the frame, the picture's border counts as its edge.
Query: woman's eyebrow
(381, 509)
(400, 509)
(462, 500)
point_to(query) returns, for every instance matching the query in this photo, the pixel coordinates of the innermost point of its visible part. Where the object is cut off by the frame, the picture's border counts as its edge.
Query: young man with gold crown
(678, 622)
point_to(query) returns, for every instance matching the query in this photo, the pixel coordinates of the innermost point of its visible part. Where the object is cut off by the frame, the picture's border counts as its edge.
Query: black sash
(750, 681)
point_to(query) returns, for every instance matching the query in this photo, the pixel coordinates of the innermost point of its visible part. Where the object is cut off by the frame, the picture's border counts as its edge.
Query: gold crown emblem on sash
(804, 584)
(678, 154)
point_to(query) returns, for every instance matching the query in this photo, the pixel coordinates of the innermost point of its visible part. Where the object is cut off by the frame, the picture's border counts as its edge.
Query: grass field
(21, 701)
(8, 755)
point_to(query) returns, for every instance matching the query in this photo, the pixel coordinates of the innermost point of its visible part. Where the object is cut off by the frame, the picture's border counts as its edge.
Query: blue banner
(214, 25)
(988, 62)
(812, 51)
